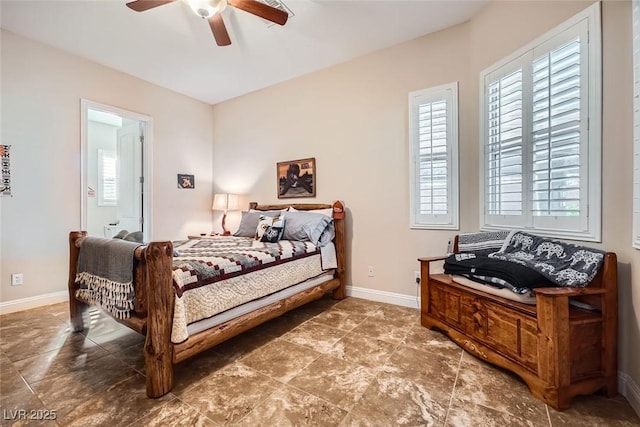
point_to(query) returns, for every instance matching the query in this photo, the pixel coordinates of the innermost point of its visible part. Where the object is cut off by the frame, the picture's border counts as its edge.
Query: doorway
(116, 153)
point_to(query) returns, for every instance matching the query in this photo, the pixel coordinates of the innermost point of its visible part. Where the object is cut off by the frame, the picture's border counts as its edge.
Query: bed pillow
(315, 227)
(135, 236)
(249, 222)
(121, 234)
(265, 222)
(328, 211)
(272, 234)
(277, 212)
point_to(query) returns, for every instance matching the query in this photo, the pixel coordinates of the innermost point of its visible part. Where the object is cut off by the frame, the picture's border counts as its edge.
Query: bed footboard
(158, 349)
(156, 260)
(76, 308)
(340, 243)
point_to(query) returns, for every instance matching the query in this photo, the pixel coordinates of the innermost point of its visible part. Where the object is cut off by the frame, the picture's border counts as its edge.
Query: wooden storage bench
(559, 350)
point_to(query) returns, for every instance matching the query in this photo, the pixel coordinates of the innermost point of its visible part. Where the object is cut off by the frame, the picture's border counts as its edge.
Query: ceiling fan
(212, 11)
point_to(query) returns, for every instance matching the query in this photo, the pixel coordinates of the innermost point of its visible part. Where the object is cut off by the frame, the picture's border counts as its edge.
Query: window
(433, 153)
(540, 131)
(107, 164)
(636, 123)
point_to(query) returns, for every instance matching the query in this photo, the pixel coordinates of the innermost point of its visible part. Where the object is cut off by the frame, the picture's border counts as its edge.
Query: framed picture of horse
(297, 178)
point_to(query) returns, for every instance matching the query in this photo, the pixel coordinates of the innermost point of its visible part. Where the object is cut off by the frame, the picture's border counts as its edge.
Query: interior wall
(521, 20)
(41, 88)
(353, 118)
(618, 189)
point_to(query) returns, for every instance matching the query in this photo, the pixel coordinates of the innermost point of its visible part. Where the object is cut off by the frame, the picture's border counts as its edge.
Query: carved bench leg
(554, 367)
(610, 326)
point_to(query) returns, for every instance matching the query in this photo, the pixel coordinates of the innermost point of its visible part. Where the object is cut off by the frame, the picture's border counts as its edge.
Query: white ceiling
(174, 48)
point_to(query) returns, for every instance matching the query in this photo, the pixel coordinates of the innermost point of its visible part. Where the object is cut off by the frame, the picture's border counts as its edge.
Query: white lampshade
(225, 202)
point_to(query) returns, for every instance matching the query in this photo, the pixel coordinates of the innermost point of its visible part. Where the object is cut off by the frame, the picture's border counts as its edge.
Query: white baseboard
(384, 296)
(629, 389)
(33, 302)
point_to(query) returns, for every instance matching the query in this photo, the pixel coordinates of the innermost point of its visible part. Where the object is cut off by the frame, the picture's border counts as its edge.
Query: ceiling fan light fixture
(207, 8)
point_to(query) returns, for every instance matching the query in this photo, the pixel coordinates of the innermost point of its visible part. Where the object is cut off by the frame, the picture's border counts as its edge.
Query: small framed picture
(297, 178)
(186, 181)
(5, 170)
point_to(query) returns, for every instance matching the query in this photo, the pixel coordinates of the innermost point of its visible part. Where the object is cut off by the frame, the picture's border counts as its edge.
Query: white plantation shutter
(434, 157)
(540, 127)
(432, 166)
(107, 173)
(636, 123)
(505, 145)
(556, 132)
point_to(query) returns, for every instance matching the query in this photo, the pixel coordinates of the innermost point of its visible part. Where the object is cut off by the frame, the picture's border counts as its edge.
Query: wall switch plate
(16, 279)
(370, 271)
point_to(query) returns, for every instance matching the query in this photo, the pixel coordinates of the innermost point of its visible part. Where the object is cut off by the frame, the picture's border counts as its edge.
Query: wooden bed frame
(155, 295)
(559, 350)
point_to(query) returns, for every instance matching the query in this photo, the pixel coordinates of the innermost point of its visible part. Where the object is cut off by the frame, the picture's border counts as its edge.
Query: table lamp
(225, 202)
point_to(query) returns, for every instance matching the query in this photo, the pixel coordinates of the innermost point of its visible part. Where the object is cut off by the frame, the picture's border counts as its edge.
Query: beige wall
(41, 92)
(519, 21)
(353, 118)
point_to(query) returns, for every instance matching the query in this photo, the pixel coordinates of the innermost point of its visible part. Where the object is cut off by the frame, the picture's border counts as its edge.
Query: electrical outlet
(16, 279)
(370, 271)
(417, 276)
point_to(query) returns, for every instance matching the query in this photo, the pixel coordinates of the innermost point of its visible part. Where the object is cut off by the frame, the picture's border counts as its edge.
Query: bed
(161, 276)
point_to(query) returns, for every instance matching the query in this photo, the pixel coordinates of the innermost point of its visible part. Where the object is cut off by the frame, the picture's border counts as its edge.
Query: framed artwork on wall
(186, 181)
(297, 178)
(5, 159)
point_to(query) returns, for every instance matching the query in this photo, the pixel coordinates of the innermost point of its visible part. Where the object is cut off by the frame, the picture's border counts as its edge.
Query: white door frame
(147, 155)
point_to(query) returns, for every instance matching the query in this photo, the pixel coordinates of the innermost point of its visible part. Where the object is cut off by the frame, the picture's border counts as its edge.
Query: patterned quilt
(200, 262)
(209, 274)
(565, 264)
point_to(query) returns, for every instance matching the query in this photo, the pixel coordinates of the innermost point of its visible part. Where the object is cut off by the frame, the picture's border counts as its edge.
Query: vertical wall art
(5, 163)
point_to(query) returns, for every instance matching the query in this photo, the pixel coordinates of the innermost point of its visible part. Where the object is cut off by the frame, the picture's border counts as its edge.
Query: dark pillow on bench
(482, 268)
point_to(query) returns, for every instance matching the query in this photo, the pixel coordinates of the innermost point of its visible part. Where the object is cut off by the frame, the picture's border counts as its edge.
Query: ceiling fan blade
(142, 5)
(219, 30)
(262, 10)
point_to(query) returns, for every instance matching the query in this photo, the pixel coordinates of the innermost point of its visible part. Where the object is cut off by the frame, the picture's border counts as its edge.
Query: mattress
(207, 301)
(250, 306)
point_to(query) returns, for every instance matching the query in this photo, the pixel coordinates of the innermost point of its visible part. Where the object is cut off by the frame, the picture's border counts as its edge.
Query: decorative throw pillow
(249, 222)
(272, 234)
(266, 222)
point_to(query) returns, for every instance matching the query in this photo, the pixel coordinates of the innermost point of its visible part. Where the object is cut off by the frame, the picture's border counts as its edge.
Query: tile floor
(347, 363)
